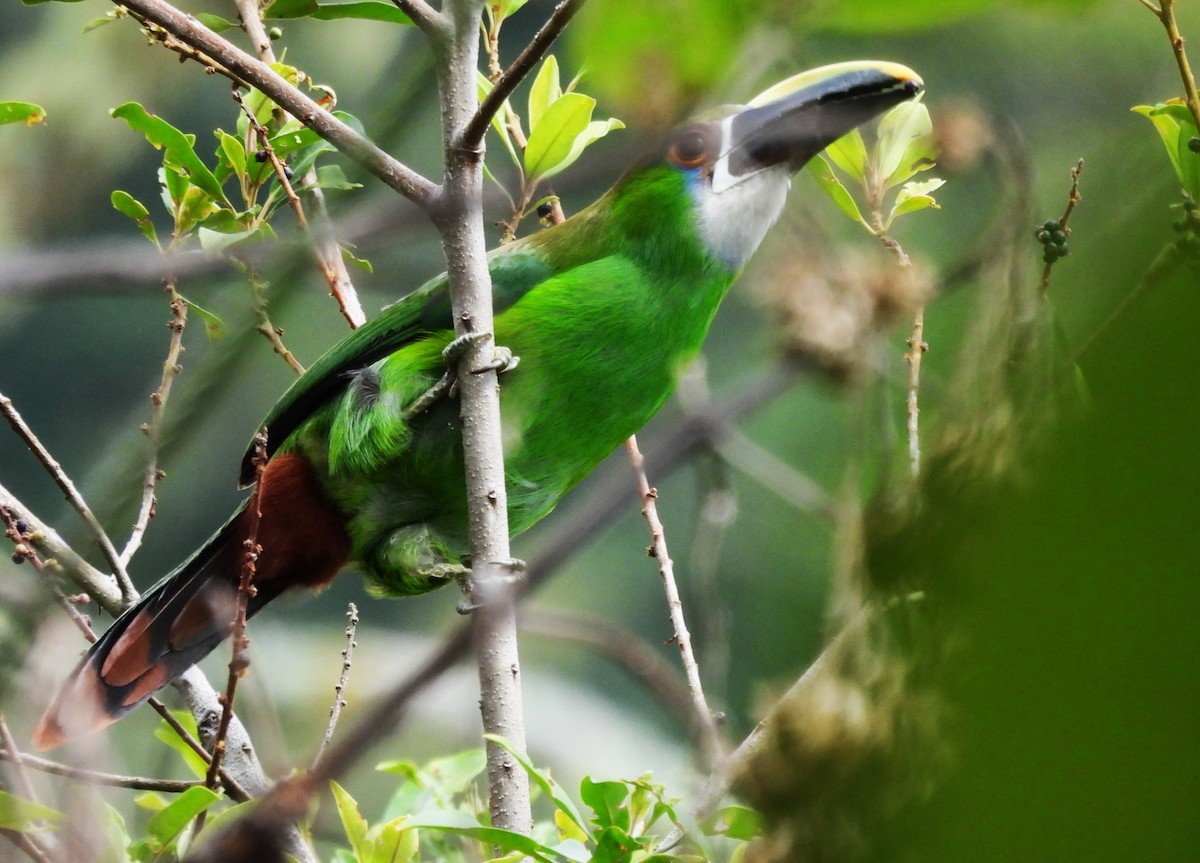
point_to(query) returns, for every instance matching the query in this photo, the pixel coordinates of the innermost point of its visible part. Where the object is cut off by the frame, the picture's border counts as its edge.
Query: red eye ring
(689, 149)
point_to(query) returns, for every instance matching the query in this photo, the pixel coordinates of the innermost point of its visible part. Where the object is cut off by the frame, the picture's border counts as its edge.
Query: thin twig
(327, 252)
(72, 494)
(246, 590)
(95, 777)
(25, 844)
(22, 549)
(917, 346)
(339, 690)
(1166, 14)
(153, 429)
(272, 333)
(253, 71)
(11, 754)
(1073, 198)
(711, 745)
(473, 134)
(232, 787)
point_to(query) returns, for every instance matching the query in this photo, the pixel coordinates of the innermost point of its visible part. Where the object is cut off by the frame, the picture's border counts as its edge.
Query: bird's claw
(512, 571)
(503, 361)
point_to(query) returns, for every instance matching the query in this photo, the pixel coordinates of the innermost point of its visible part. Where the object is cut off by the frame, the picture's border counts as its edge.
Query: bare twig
(473, 134)
(917, 346)
(339, 689)
(72, 495)
(254, 72)
(1166, 14)
(711, 745)
(25, 844)
(272, 333)
(95, 777)
(23, 550)
(326, 251)
(425, 17)
(153, 429)
(11, 754)
(246, 590)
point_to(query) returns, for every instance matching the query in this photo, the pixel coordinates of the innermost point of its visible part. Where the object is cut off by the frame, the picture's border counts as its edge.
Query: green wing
(425, 310)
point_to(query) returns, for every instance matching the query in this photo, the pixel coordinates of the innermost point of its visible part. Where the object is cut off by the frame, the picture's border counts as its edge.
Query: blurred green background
(1074, 678)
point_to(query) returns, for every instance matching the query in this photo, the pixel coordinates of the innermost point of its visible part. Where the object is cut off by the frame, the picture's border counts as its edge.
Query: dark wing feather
(425, 310)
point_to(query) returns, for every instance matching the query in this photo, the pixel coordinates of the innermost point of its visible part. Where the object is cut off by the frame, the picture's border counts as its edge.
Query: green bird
(603, 311)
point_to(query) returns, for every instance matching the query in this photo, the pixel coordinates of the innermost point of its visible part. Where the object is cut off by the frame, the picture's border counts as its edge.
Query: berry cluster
(1052, 236)
(1190, 223)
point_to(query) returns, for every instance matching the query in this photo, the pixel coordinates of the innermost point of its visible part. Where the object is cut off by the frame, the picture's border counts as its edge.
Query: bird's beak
(792, 121)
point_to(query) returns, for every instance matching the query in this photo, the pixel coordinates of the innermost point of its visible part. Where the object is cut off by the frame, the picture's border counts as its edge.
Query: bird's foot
(512, 571)
(503, 359)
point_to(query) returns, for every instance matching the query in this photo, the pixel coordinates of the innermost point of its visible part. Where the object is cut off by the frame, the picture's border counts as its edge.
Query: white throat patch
(735, 213)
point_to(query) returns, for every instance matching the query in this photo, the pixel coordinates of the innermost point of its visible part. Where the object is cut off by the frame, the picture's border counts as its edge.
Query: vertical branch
(711, 747)
(246, 591)
(339, 690)
(458, 215)
(917, 346)
(153, 429)
(1166, 14)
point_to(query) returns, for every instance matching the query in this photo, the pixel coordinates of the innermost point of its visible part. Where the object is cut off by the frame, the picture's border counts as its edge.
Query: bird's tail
(182, 618)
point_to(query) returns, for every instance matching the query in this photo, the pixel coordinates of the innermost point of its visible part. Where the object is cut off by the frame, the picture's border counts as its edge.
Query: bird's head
(737, 165)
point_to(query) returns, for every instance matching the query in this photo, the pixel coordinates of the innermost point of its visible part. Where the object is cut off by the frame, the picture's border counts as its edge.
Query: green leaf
(162, 135)
(167, 735)
(504, 8)
(849, 153)
(352, 822)
(461, 823)
(551, 140)
(22, 112)
(614, 845)
(333, 177)
(592, 133)
(545, 90)
(1186, 162)
(232, 153)
(350, 258)
(736, 822)
(123, 202)
(549, 787)
(369, 10)
(166, 825)
(214, 328)
(828, 181)
(215, 22)
(394, 842)
(499, 120)
(607, 800)
(217, 241)
(915, 196)
(898, 129)
(25, 816)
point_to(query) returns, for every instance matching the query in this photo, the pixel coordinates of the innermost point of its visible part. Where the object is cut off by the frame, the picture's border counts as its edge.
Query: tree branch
(472, 135)
(72, 495)
(95, 777)
(458, 215)
(254, 72)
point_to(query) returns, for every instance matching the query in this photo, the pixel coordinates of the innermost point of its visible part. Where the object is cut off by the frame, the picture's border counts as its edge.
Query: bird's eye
(690, 148)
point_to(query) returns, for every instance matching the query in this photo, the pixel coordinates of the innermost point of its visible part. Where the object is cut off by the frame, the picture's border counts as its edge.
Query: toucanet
(603, 311)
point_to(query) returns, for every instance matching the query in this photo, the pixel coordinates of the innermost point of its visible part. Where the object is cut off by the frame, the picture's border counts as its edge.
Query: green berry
(275, 33)
(1194, 145)
(1059, 236)
(1061, 250)
(1051, 225)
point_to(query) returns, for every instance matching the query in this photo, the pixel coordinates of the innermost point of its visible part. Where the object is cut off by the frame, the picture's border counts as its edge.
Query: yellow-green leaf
(828, 181)
(545, 90)
(24, 816)
(178, 146)
(352, 822)
(850, 154)
(22, 112)
(898, 129)
(552, 139)
(125, 203)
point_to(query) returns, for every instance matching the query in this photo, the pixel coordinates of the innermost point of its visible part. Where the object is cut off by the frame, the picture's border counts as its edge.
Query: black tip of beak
(794, 128)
